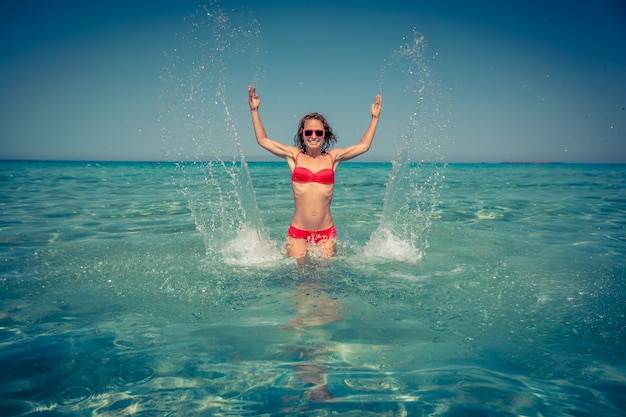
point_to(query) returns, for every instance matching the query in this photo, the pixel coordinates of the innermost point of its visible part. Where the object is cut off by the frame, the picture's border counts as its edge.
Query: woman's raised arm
(367, 138)
(274, 147)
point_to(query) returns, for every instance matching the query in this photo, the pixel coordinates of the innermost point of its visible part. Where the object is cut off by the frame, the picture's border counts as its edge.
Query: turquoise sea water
(162, 289)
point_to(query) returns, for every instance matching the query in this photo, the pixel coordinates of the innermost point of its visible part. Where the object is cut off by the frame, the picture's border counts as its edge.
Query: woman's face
(314, 140)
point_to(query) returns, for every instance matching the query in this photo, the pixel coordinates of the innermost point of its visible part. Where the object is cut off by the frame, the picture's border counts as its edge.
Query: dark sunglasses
(309, 132)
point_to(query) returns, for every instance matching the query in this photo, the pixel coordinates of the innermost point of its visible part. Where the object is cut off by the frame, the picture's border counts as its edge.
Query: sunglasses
(318, 132)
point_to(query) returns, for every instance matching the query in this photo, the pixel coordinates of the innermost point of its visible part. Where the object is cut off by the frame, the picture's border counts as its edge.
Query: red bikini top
(304, 175)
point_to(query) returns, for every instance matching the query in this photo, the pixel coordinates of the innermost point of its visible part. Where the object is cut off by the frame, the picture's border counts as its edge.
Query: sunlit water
(163, 289)
(118, 300)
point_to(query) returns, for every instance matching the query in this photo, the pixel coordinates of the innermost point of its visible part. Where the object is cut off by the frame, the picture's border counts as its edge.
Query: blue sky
(519, 80)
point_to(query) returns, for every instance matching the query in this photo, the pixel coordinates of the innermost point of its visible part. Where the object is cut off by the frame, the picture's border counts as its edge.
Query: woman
(312, 167)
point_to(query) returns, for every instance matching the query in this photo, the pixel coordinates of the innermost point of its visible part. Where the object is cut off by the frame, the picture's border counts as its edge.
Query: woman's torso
(313, 187)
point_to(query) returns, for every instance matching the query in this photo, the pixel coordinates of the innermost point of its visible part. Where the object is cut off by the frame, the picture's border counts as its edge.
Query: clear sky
(522, 80)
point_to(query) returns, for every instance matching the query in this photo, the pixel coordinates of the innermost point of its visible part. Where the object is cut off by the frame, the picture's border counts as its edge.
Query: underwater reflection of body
(314, 307)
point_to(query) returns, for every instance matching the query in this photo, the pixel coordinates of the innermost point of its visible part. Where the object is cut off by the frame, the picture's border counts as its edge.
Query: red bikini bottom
(312, 236)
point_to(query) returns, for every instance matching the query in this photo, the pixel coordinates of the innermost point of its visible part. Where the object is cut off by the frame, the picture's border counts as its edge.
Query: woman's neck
(313, 154)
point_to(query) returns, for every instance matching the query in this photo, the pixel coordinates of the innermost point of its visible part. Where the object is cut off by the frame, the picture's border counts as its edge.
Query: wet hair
(329, 137)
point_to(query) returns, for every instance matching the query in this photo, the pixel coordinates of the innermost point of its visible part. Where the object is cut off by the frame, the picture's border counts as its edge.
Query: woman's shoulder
(334, 153)
(294, 151)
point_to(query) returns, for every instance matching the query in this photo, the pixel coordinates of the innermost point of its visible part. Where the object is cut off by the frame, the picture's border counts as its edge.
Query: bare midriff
(312, 206)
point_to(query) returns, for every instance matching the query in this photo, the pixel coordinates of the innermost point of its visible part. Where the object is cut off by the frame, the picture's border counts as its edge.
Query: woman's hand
(377, 106)
(253, 99)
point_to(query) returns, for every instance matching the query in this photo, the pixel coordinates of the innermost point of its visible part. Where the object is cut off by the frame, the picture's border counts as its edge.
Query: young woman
(312, 164)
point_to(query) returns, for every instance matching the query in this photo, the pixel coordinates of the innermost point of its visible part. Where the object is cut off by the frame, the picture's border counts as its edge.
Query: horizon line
(263, 160)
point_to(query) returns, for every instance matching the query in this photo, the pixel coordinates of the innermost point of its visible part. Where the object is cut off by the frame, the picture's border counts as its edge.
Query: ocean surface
(461, 290)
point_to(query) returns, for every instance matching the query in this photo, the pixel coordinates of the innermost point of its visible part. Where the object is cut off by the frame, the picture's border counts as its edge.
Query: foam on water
(383, 245)
(250, 248)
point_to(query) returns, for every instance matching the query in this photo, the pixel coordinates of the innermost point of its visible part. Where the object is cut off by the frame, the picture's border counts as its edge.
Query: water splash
(250, 248)
(412, 191)
(217, 53)
(384, 245)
